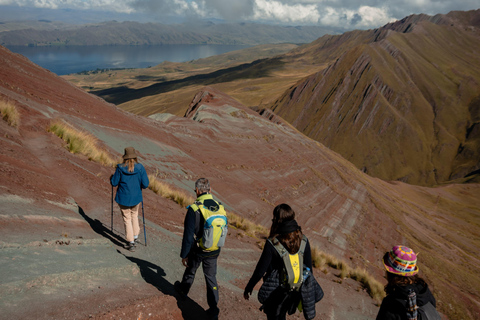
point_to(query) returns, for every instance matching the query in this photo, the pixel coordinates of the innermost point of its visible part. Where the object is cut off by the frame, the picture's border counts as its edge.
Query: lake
(73, 59)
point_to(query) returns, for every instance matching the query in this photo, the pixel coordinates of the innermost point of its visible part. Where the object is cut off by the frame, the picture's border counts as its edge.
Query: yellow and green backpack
(215, 226)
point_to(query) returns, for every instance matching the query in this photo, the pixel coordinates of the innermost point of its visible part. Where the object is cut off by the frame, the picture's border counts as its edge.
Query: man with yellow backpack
(205, 230)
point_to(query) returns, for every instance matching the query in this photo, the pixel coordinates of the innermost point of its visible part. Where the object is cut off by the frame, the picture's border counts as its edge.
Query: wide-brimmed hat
(401, 260)
(129, 153)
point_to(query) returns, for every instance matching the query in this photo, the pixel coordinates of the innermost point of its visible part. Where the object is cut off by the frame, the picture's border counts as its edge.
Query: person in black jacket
(193, 255)
(405, 289)
(286, 230)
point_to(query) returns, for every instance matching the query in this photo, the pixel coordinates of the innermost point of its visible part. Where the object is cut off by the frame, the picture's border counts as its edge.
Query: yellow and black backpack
(291, 275)
(215, 226)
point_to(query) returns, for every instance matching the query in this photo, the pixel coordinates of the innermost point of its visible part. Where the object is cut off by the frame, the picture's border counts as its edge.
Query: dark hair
(291, 241)
(396, 280)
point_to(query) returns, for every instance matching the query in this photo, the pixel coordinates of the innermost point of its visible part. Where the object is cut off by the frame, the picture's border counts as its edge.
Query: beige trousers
(130, 220)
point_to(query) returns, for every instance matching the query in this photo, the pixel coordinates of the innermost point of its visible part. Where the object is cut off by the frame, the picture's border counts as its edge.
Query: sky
(344, 14)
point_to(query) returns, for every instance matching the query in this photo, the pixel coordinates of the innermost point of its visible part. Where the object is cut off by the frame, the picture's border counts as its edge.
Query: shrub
(10, 114)
(80, 142)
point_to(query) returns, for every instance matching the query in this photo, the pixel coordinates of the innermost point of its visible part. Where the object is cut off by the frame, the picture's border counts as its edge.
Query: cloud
(107, 5)
(165, 7)
(280, 12)
(231, 9)
(346, 14)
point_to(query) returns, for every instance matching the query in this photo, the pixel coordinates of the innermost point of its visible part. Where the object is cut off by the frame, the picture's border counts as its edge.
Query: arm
(145, 182)
(188, 233)
(260, 269)
(115, 178)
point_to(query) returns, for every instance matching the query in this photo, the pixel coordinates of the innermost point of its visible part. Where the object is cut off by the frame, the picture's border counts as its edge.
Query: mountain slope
(399, 102)
(50, 196)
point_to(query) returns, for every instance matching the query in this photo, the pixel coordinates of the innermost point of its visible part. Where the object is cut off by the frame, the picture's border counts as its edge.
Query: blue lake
(66, 60)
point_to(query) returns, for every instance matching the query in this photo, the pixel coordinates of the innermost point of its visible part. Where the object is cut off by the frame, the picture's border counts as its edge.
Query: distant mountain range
(48, 33)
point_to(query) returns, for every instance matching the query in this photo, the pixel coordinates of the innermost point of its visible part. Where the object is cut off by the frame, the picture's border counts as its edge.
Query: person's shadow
(101, 229)
(154, 275)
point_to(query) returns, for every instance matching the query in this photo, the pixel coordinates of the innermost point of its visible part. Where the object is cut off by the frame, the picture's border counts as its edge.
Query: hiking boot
(178, 288)
(130, 246)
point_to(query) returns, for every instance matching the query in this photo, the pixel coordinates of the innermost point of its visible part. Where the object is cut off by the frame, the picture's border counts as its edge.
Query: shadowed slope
(119, 95)
(253, 165)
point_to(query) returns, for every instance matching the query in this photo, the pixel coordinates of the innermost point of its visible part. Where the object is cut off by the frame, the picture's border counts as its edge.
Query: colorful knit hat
(401, 260)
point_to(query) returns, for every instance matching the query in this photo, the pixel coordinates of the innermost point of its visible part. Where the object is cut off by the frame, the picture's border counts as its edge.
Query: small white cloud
(285, 13)
(373, 17)
(364, 17)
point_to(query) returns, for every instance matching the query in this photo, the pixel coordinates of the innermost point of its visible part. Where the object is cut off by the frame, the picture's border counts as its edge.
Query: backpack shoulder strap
(412, 307)
(195, 206)
(303, 244)
(282, 251)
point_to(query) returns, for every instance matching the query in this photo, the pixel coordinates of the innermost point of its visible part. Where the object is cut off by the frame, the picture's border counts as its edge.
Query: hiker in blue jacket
(408, 295)
(130, 177)
(276, 300)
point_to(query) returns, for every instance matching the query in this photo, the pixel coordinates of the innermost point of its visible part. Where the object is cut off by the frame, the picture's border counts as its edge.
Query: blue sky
(346, 14)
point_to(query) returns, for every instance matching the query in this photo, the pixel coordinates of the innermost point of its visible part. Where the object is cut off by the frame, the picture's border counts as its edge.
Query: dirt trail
(76, 268)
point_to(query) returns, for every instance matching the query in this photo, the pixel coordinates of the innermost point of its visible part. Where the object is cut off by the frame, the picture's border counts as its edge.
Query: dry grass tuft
(10, 113)
(168, 192)
(246, 225)
(374, 288)
(80, 142)
(321, 260)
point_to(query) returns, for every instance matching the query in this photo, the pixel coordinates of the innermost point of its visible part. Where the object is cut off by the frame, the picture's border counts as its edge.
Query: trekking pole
(144, 232)
(111, 229)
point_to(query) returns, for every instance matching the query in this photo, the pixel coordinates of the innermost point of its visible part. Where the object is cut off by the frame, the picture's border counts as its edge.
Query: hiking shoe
(178, 288)
(130, 246)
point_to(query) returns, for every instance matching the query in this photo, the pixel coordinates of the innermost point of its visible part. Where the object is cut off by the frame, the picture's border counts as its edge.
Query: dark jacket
(310, 293)
(394, 305)
(193, 228)
(130, 184)
(270, 265)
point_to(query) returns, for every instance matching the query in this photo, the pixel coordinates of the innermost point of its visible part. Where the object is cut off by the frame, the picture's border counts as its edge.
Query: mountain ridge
(391, 74)
(134, 33)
